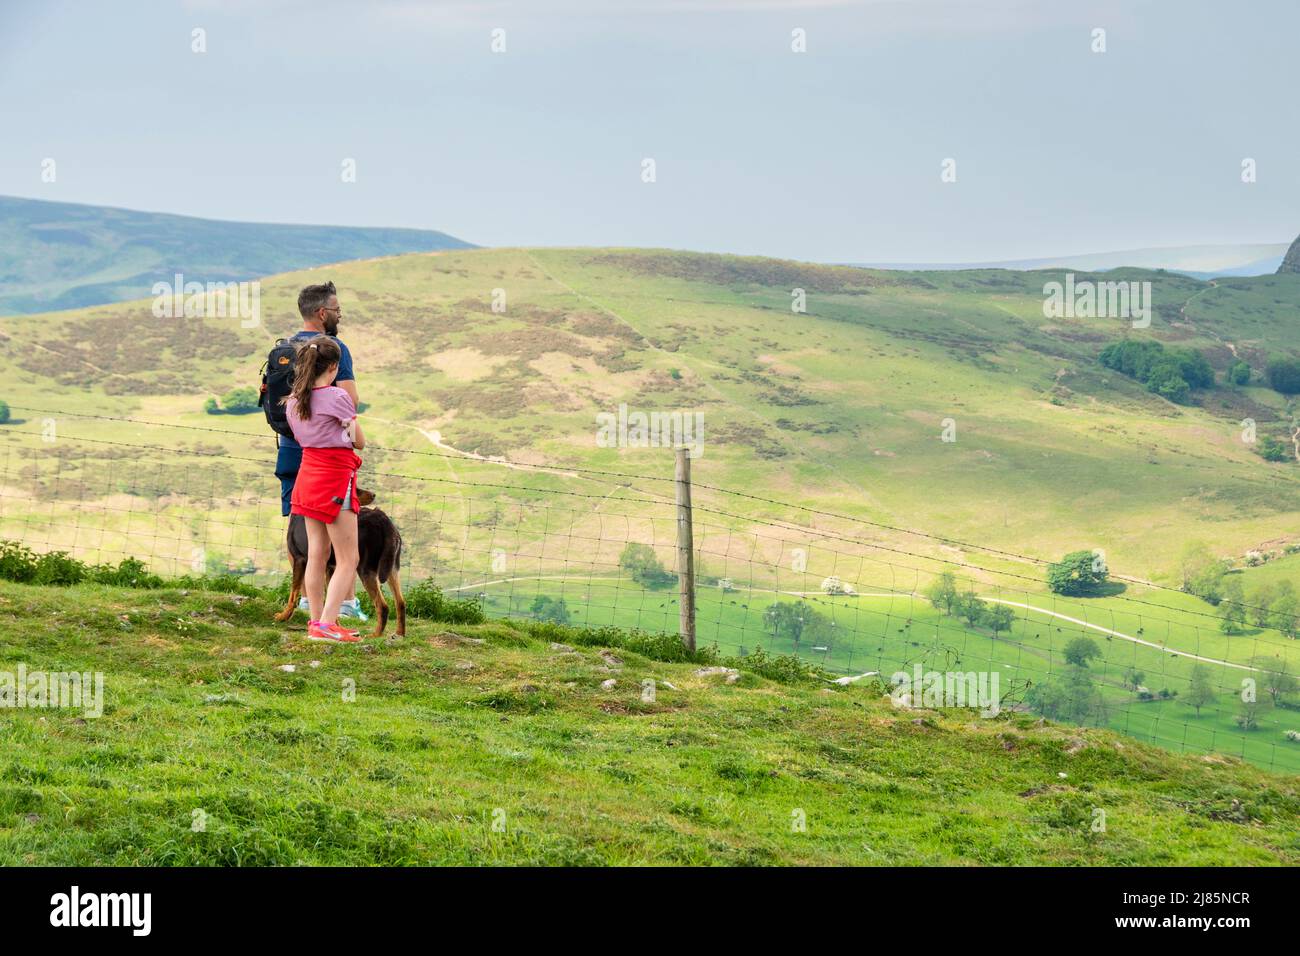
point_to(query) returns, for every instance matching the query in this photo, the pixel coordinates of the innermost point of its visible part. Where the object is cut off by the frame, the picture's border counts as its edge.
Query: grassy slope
(198, 716)
(839, 408)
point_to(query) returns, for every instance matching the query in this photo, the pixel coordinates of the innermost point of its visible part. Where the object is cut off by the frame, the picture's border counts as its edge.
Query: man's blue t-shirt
(345, 372)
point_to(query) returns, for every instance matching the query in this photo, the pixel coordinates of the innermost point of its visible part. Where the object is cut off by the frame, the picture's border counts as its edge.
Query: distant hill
(1291, 263)
(66, 255)
(1201, 262)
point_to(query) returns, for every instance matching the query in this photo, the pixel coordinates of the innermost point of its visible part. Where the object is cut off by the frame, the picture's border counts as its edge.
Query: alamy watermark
(1087, 299)
(637, 429)
(934, 690)
(55, 690)
(181, 299)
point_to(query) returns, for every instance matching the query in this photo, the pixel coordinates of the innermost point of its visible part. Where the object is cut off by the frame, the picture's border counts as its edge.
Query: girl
(324, 423)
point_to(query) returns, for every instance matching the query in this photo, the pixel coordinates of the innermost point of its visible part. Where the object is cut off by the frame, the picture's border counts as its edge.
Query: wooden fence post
(685, 550)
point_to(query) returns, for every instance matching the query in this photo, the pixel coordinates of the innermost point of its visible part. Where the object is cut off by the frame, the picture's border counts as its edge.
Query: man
(319, 307)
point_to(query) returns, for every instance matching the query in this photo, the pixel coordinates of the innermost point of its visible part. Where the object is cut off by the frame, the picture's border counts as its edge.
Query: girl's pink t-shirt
(330, 408)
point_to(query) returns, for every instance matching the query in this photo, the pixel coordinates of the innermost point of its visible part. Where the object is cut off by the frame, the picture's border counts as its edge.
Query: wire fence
(599, 548)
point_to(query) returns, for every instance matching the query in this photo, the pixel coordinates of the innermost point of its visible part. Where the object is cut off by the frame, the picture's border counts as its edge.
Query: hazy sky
(832, 155)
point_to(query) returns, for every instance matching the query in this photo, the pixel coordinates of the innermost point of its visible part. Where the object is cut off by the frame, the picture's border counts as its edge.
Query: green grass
(885, 634)
(453, 729)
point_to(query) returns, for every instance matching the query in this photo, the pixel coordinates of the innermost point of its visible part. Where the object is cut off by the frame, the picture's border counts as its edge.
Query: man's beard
(331, 326)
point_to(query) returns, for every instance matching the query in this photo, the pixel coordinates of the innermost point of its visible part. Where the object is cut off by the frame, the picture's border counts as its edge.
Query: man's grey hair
(315, 297)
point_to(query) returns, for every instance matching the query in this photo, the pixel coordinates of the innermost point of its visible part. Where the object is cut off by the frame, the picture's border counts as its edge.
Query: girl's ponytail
(313, 358)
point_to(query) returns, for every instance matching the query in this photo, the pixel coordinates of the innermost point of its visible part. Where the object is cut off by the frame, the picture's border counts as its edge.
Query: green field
(839, 409)
(487, 744)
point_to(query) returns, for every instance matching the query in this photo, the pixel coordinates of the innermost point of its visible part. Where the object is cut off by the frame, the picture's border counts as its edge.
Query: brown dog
(380, 546)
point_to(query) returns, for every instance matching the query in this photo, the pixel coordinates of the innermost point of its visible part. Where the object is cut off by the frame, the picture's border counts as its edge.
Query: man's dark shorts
(287, 462)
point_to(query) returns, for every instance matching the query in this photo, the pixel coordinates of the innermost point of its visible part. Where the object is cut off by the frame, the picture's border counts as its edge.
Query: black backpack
(277, 383)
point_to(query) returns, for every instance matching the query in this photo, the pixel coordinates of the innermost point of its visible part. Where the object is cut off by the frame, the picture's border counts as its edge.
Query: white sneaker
(352, 609)
(304, 605)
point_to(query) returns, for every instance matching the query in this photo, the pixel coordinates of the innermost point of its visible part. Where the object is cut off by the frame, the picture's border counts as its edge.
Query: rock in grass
(730, 673)
(287, 668)
(608, 684)
(562, 648)
(613, 660)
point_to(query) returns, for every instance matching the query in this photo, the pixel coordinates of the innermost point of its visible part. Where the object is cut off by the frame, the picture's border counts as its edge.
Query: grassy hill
(839, 409)
(225, 739)
(68, 255)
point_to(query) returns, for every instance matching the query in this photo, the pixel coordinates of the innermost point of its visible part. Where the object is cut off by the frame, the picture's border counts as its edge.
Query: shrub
(59, 568)
(17, 563)
(4, 413)
(1239, 374)
(783, 668)
(1272, 449)
(1078, 573)
(1080, 650)
(427, 602)
(1283, 375)
(237, 401)
(640, 562)
(1171, 373)
(129, 573)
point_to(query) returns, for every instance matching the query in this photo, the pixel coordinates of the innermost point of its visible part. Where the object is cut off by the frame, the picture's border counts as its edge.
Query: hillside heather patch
(745, 270)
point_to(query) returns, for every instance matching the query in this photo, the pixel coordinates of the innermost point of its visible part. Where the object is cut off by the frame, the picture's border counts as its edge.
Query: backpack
(277, 383)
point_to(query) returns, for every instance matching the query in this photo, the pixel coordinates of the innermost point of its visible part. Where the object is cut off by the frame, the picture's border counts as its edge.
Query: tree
(640, 562)
(774, 616)
(1260, 601)
(942, 592)
(1080, 650)
(240, 401)
(1203, 574)
(1167, 381)
(1072, 697)
(1284, 612)
(1201, 692)
(999, 618)
(971, 609)
(1276, 677)
(1078, 573)
(544, 608)
(1283, 375)
(1272, 449)
(1232, 607)
(795, 619)
(1134, 678)
(1248, 719)
(1238, 373)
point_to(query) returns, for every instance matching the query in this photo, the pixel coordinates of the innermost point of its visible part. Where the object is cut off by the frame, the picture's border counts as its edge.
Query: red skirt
(327, 478)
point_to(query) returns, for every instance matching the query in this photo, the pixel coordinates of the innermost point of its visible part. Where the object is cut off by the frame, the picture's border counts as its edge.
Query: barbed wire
(698, 486)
